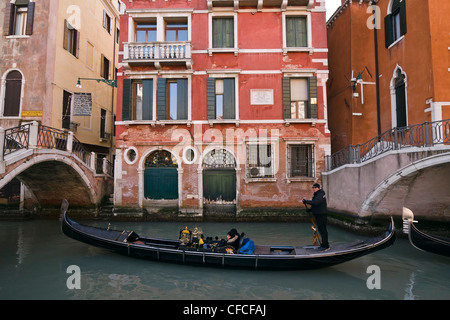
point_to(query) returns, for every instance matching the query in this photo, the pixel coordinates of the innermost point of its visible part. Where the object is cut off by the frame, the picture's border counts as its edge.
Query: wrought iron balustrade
(427, 134)
(16, 139)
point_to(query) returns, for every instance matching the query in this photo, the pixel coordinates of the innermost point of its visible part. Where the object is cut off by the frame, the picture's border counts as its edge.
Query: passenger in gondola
(233, 238)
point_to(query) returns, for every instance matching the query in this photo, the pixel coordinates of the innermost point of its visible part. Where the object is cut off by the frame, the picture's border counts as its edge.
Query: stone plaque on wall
(261, 96)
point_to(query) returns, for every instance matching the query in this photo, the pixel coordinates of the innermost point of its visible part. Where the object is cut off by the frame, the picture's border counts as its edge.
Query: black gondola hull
(168, 251)
(430, 243)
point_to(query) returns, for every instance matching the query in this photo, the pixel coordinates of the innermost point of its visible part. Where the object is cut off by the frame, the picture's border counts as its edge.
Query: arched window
(13, 93)
(395, 22)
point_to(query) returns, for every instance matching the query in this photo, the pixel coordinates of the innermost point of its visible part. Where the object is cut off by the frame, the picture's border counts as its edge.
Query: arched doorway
(219, 177)
(161, 176)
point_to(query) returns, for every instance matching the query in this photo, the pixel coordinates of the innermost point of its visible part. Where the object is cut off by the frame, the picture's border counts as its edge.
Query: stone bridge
(402, 167)
(53, 165)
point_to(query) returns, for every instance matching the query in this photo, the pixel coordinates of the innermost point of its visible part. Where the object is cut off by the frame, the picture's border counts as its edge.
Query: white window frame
(309, 142)
(225, 14)
(309, 48)
(229, 74)
(394, 96)
(3, 94)
(274, 159)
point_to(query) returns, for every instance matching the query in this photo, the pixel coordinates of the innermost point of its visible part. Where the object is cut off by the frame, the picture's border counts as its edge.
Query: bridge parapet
(427, 134)
(32, 135)
(53, 164)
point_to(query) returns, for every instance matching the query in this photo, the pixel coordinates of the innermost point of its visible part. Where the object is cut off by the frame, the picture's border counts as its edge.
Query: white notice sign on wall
(261, 96)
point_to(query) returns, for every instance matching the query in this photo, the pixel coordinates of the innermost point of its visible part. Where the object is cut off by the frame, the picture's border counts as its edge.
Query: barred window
(260, 161)
(301, 161)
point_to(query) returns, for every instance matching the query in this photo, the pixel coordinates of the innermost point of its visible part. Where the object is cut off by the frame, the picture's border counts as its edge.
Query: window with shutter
(395, 23)
(13, 93)
(172, 99)
(300, 98)
(296, 32)
(71, 39)
(221, 98)
(223, 32)
(137, 100)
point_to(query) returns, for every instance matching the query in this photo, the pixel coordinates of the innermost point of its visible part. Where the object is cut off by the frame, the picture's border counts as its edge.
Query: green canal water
(35, 262)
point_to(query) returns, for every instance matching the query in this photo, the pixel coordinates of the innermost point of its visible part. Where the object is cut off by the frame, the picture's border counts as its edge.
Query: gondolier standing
(319, 210)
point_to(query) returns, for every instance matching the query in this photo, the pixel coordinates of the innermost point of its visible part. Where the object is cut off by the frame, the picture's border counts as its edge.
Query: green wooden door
(219, 185)
(161, 183)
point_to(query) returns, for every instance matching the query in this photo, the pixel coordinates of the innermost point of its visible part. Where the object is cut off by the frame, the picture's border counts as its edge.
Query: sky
(331, 6)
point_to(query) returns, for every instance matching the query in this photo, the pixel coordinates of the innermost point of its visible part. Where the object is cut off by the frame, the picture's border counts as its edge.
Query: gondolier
(319, 210)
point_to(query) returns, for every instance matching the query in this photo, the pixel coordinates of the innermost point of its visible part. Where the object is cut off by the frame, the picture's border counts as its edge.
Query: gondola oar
(316, 236)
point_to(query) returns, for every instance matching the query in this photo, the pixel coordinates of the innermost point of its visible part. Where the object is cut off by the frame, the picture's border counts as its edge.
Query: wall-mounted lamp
(112, 83)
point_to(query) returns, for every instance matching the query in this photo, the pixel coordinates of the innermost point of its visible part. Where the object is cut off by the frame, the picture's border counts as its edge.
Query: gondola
(421, 240)
(263, 257)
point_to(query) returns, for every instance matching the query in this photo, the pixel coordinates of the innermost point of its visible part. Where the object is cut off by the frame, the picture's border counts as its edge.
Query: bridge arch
(51, 177)
(421, 185)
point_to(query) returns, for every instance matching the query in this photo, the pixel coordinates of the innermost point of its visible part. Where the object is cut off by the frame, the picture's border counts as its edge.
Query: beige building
(45, 47)
(58, 67)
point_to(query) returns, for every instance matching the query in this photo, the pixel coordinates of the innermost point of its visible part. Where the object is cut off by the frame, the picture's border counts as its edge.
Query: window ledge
(310, 50)
(396, 41)
(313, 122)
(153, 123)
(253, 180)
(17, 37)
(223, 121)
(10, 117)
(302, 179)
(223, 50)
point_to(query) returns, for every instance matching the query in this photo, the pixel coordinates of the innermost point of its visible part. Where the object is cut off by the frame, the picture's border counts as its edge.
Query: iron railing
(18, 138)
(427, 134)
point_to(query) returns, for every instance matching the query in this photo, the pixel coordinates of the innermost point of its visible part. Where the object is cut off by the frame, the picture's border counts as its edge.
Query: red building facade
(221, 104)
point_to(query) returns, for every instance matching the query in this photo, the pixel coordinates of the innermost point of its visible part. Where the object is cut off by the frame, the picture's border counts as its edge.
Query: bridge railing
(427, 134)
(16, 139)
(34, 136)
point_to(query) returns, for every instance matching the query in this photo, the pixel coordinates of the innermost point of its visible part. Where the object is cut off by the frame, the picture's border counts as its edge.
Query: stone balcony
(158, 53)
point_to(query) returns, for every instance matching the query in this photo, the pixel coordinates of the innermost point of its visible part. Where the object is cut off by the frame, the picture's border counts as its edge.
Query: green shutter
(161, 99)
(217, 33)
(313, 110)
(290, 32)
(296, 32)
(388, 31)
(182, 99)
(223, 33)
(228, 99)
(126, 100)
(228, 33)
(403, 28)
(211, 98)
(286, 98)
(147, 103)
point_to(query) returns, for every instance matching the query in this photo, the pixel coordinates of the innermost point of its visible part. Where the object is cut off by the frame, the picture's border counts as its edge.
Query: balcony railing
(157, 52)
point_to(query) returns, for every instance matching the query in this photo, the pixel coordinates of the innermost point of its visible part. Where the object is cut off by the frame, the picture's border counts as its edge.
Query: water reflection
(409, 295)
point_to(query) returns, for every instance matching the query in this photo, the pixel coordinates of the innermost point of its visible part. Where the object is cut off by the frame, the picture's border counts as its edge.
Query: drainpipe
(377, 75)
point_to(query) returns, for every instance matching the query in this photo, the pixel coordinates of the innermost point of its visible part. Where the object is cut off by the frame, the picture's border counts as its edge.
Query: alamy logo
(374, 281)
(74, 280)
